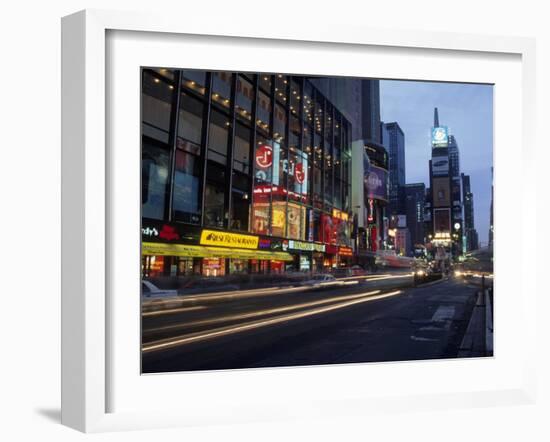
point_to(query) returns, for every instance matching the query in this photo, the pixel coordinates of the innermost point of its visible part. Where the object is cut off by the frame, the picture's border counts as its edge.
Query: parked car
(322, 280)
(150, 290)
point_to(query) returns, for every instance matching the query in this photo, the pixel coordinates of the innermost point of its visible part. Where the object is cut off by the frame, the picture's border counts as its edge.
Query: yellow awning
(151, 248)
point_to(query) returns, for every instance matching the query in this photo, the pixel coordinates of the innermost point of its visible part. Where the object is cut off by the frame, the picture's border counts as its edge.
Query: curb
(476, 338)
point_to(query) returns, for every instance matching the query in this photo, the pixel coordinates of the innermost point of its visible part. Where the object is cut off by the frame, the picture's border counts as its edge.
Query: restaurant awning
(150, 248)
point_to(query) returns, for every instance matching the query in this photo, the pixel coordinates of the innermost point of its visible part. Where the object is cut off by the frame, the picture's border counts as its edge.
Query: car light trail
(234, 294)
(171, 311)
(241, 294)
(225, 331)
(258, 313)
(361, 277)
(382, 277)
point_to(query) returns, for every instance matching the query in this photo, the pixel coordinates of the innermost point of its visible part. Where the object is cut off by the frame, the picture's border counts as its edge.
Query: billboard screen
(440, 136)
(440, 166)
(376, 184)
(441, 192)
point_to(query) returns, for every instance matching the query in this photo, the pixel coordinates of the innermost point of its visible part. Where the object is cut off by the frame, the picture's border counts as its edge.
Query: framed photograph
(287, 223)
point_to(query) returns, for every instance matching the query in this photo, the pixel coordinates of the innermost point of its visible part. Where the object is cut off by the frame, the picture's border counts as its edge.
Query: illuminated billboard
(440, 136)
(376, 184)
(440, 166)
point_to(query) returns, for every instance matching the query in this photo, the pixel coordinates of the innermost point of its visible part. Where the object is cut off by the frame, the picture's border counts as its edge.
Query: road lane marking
(444, 313)
(224, 331)
(419, 338)
(255, 314)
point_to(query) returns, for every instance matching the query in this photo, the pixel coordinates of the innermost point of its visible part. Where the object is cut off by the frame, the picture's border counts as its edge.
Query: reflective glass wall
(260, 153)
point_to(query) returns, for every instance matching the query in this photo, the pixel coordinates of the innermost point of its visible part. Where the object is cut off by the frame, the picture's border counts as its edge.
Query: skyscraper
(359, 101)
(370, 110)
(445, 207)
(415, 199)
(395, 145)
(470, 234)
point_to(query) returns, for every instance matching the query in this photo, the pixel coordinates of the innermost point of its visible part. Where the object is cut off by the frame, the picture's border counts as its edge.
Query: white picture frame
(87, 206)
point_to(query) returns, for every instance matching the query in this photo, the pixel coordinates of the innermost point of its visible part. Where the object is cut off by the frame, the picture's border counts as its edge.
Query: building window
(317, 189)
(265, 82)
(307, 102)
(295, 97)
(328, 123)
(218, 137)
(244, 99)
(190, 122)
(240, 208)
(337, 194)
(157, 100)
(279, 124)
(187, 187)
(281, 86)
(241, 149)
(155, 171)
(221, 89)
(194, 81)
(263, 113)
(214, 197)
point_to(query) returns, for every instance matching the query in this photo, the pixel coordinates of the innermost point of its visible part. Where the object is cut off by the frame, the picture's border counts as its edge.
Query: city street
(381, 317)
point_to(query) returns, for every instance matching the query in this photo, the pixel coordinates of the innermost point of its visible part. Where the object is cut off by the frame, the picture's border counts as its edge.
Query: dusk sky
(467, 110)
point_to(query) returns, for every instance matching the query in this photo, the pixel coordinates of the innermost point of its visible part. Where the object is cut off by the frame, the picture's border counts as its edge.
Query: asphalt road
(369, 320)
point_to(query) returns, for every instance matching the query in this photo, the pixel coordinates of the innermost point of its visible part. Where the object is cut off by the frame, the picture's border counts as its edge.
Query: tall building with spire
(444, 206)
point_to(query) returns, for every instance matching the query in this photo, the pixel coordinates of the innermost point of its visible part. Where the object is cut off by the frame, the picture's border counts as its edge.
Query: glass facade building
(242, 173)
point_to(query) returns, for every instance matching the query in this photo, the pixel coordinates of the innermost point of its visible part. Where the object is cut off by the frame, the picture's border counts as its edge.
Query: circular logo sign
(264, 156)
(440, 134)
(299, 173)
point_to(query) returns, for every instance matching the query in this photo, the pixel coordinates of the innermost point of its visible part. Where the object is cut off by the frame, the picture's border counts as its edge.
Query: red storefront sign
(345, 251)
(169, 233)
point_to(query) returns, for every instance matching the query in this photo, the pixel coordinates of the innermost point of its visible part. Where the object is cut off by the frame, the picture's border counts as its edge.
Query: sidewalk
(478, 340)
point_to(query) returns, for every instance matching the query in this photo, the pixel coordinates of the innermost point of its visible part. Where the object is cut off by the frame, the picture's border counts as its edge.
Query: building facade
(415, 205)
(471, 240)
(395, 144)
(358, 100)
(242, 173)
